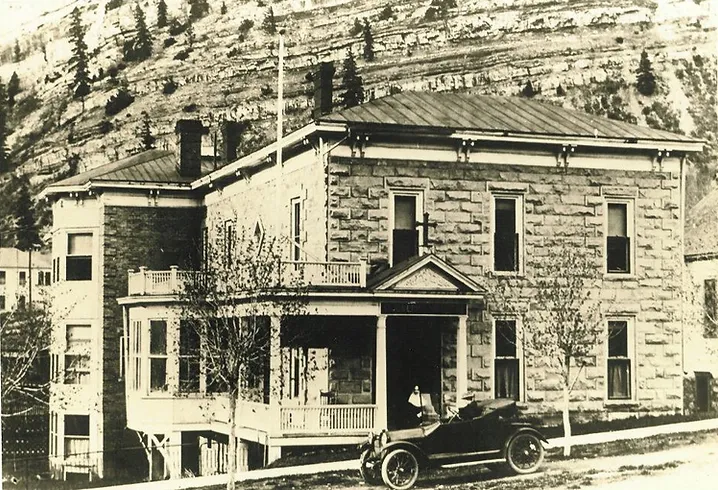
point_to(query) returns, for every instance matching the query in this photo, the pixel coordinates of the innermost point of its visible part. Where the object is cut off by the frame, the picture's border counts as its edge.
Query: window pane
(710, 304)
(79, 244)
(506, 238)
(2, 277)
(78, 268)
(506, 377)
(506, 216)
(506, 338)
(158, 337)
(405, 212)
(405, 244)
(189, 339)
(618, 339)
(77, 335)
(617, 219)
(619, 378)
(158, 374)
(189, 374)
(77, 425)
(618, 252)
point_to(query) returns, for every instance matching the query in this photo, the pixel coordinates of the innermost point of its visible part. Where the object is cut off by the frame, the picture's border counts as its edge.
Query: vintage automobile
(486, 432)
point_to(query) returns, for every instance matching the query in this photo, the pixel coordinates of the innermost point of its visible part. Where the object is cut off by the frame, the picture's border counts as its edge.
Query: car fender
(521, 430)
(420, 456)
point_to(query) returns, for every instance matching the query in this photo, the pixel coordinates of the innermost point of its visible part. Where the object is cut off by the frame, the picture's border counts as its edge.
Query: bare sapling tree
(230, 303)
(560, 310)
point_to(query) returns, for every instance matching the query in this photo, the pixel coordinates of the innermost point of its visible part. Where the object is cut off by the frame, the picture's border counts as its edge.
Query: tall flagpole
(280, 98)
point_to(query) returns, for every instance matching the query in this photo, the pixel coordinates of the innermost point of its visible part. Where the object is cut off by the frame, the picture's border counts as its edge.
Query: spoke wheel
(371, 473)
(525, 453)
(399, 469)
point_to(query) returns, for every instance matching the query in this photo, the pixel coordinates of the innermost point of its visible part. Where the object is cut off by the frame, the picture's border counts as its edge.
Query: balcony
(328, 419)
(322, 274)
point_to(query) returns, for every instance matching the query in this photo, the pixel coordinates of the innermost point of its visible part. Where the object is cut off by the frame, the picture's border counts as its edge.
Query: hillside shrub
(190, 108)
(121, 100)
(266, 91)
(560, 91)
(356, 28)
(529, 90)
(113, 4)
(104, 127)
(661, 116)
(386, 13)
(182, 55)
(177, 27)
(169, 87)
(169, 42)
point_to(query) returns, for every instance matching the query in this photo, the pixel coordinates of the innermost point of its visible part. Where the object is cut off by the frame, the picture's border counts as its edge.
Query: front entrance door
(413, 352)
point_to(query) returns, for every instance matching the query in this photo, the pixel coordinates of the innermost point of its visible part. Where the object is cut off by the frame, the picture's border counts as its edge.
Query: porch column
(380, 383)
(461, 363)
(275, 372)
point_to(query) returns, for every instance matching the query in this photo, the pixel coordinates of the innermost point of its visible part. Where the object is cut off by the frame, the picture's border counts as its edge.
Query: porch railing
(327, 419)
(341, 274)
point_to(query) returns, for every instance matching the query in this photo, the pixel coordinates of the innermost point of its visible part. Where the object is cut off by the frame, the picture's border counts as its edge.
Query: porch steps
(580, 440)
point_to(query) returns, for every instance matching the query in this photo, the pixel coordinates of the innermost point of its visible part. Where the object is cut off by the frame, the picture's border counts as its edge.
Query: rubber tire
(389, 458)
(370, 477)
(532, 439)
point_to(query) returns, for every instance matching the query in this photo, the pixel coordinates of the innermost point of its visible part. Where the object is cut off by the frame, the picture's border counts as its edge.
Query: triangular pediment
(427, 273)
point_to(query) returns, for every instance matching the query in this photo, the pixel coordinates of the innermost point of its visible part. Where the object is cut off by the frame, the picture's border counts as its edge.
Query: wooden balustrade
(330, 419)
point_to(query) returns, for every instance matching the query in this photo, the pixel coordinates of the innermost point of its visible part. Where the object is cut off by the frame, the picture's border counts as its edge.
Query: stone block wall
(560, 206)
(155, 237)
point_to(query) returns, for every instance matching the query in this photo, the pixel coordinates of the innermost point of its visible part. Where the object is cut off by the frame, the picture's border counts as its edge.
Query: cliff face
(581, 54)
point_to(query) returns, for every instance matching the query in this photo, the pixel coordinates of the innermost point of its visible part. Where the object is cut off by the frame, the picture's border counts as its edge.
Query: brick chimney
(323, 88)
(190, 133)
(231, 132)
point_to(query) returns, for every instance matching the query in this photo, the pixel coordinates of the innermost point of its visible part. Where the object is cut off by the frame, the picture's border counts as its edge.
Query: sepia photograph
(355, 244)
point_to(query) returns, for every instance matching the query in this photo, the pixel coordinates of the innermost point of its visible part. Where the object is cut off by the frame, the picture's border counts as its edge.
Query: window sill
(615, 276)
(516, 274)
(620, 403)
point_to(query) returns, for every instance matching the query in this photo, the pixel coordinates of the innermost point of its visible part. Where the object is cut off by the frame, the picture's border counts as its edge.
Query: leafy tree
(368, 42)
(13, 88)
(352, 83)
(270, 23)
(645, 79)
(161, 14)
(81, 81)
(232, 308)
(198, 9)
(4, 164)
(563, 315)
(140, 47)
(147, 140)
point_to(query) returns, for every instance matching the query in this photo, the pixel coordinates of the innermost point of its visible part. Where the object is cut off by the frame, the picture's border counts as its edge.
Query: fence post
(143, 280)
(362, 274)
(173, 279)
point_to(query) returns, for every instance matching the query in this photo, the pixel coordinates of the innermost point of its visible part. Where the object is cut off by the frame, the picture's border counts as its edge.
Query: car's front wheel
(399, 469)
(524, 453)
(370, 472)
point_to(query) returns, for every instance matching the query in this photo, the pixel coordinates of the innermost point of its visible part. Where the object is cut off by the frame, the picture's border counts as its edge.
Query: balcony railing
(332, 274)
(329, 419)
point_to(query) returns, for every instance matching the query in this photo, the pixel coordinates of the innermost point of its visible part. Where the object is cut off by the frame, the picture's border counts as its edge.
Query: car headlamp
(383, 438)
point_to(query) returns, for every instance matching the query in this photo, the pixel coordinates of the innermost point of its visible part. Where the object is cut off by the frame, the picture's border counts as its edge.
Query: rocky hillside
(576, 53)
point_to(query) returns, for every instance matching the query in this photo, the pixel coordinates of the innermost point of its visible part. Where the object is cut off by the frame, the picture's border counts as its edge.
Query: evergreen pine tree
(13, 88)
(368, 42)
(161, 14)
(270, 24)
(143, 39)
(198, 9)
(16, 53)
(4, 164)
(223, 9)
(645, 79)
(190, 35)
(26, 231)
(147, 140)
(81, 82)
(352, 83)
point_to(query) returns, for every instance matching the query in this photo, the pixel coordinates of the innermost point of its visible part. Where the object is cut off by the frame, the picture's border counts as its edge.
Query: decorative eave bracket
(562, 157)
(358, 142)
(463, 152)
(657, 160)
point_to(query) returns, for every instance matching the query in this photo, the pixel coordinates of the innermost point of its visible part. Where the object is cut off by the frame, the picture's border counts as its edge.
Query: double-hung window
(296, 228)
(619, 360)
(229, 239)
(22, 279)
(189, 356)
(77, 438)
(507, 239)
(619, 234)
(78, 263)
(407, 206)
(506, 360)
(158, 355)
(77, 354)
(710, 309)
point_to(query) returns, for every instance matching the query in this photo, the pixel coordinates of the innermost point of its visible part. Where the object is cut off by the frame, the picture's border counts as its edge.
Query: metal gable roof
(491, 114)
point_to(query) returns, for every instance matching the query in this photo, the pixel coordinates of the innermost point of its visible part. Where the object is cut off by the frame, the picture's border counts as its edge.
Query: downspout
(683, 262)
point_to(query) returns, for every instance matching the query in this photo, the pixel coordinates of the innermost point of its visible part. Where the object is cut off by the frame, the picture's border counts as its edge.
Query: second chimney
(231, 132)
(190, 133)
(322, 78)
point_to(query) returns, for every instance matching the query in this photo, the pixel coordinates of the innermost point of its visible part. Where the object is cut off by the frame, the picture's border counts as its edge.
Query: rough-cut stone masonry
(559, 206)
(133, 237)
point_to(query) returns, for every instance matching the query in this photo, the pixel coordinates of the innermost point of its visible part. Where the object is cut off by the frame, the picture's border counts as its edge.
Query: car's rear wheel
(371, 473)
(399, 469)
(524, 453)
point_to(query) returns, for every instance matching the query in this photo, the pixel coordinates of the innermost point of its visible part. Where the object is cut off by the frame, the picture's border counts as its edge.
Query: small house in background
(701, 306)
(19, 278)
(400, 215)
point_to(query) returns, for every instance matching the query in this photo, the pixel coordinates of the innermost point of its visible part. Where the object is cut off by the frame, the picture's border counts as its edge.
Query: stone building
(701, 306)
(400, 214)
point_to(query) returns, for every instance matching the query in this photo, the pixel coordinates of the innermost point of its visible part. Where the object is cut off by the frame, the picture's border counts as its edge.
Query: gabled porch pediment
(426, 273)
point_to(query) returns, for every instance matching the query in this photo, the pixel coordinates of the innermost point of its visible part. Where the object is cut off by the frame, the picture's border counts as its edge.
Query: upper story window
(229, 239)
(3, 278)
(78, 265)
(506, 360)
(77, 437)
(43, 278)
(2, 302)
(55, 269)
(158, 355)
(508, 229)
(77, 354)
(407, 206)
(189, 357)
(296, 229)
(619, 233)
(710, 309)
(22, 279)
(619, 360)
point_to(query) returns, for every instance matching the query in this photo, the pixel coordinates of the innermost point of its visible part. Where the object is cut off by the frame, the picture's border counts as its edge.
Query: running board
(472, 463)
